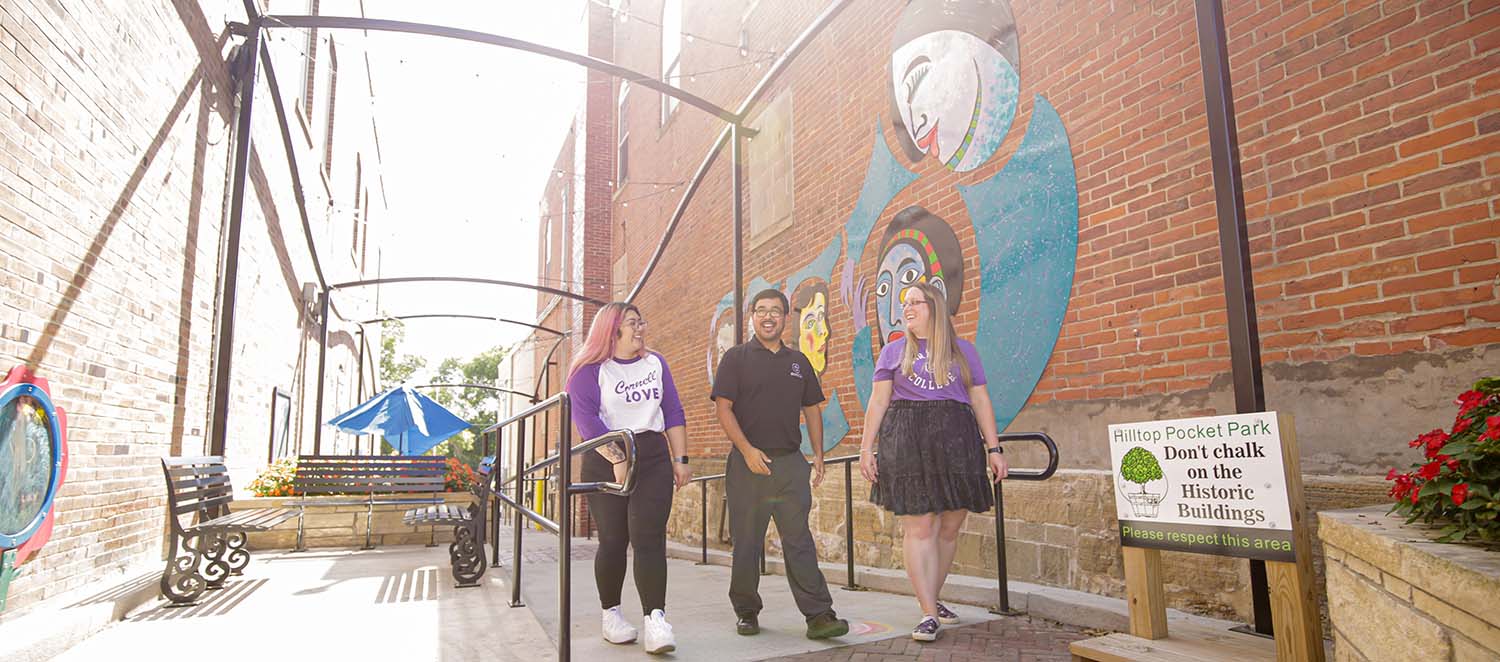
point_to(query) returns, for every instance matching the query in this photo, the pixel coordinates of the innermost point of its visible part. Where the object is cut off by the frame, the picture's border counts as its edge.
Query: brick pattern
(1016, 639)
(116, 125)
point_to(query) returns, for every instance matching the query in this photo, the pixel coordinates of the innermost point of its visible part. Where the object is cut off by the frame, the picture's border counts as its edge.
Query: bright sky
(469, 133)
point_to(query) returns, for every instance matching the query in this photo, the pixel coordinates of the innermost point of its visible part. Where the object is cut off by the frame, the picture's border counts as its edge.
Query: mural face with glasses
(810, 301)
(918, 247)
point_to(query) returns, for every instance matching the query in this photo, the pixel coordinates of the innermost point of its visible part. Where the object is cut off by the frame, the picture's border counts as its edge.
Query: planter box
(344, 526)
(1393, 594)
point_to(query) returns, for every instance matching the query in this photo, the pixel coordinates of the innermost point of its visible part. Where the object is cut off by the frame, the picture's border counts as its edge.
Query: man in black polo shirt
(760, 387)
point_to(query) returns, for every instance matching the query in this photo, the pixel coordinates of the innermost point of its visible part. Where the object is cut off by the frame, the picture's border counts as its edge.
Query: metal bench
(466, 552)
(378, 480)
(210, 549)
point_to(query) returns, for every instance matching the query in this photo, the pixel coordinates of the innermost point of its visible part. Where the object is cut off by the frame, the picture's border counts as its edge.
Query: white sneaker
(616, 629)
(659, 637)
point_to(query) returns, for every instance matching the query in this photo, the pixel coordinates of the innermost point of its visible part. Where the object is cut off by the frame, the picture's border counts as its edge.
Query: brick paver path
(1018, 639)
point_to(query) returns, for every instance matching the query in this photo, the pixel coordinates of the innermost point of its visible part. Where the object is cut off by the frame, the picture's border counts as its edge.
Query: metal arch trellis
(1224, 151)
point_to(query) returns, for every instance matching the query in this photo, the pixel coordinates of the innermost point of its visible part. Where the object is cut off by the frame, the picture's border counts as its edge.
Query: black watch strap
(681, 459)
(996, 449)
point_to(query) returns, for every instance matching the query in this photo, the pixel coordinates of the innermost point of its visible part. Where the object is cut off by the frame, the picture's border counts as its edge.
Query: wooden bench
(374, 480)
(466, 552)
(207, 551)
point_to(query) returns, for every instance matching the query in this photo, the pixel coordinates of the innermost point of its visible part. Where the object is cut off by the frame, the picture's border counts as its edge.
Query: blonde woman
(930, 419)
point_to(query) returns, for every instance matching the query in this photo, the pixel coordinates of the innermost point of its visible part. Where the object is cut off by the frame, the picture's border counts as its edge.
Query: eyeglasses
(634, 323)
(912, 302)
(772, 313)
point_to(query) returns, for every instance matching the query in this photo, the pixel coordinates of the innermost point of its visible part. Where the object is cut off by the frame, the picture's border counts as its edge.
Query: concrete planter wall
(1393, 594)
(344, 526)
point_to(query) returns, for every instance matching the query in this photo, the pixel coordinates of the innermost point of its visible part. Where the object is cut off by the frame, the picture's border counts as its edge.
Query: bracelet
(995, 449)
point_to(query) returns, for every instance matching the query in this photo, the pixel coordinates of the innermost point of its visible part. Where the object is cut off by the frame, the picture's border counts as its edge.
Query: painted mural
(954, 89)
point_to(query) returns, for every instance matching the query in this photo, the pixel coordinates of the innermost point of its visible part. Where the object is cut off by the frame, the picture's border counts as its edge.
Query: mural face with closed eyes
(954, 80)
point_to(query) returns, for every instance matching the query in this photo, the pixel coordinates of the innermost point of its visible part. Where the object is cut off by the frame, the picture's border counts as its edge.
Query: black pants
(638, 521)
(753, 500)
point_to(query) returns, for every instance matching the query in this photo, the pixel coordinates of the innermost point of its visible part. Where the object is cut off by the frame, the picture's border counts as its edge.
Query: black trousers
(638, 521)
(753, 500)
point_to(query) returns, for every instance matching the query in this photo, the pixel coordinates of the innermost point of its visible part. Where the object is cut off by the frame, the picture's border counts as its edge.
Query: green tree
(393, 369)
(1140, 466)
(476, 405)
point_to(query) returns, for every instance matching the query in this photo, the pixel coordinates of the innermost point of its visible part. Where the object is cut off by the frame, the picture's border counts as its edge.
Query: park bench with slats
(466, 552)
(369, 481)
(205, 552)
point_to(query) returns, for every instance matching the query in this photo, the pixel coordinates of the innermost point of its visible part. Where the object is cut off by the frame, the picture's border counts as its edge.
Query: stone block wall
(1395, 595)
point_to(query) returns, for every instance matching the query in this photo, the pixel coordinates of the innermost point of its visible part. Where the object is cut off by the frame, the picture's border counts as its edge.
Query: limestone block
(1365, 613)
(1482, 633)
(1343, 651)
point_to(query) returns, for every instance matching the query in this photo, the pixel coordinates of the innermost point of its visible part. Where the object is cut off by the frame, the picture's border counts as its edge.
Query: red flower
(1390, 475)
(1468, 400)
(1414, 494)
(1430, 470)
(1460, 492)
(1461, 424)
(1452, 464)
(1493, 429)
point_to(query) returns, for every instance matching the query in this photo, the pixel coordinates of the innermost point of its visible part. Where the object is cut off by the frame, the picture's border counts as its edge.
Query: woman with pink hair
(617, 384)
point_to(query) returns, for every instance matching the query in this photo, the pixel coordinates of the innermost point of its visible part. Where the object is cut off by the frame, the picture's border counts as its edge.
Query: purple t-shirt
(920, 385)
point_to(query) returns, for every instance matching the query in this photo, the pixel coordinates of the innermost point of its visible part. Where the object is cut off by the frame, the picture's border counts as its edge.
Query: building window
(333, 98)
(769, 157)
(622, 129)
(671, 54)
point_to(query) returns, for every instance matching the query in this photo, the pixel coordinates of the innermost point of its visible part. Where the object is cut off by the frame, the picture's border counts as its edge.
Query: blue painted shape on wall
(1026, 228)
(835, 425)
(884, 178)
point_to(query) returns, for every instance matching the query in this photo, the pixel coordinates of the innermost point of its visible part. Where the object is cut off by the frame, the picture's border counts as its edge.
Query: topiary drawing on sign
(1139, 466)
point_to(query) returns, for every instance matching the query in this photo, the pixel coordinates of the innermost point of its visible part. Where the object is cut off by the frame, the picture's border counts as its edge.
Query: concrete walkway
(399, 603)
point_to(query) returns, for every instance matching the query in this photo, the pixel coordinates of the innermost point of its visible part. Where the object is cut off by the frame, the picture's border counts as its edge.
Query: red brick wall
(1367, 140)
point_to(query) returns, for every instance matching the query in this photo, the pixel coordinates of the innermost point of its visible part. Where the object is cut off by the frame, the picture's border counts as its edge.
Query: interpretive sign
(1214, 485)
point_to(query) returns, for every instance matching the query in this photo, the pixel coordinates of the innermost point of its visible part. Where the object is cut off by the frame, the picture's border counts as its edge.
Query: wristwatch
(996, 450)
(681, 459)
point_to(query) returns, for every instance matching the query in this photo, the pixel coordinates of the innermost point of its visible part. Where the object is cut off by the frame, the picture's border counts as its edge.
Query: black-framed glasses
(773, 313)
(634, 323)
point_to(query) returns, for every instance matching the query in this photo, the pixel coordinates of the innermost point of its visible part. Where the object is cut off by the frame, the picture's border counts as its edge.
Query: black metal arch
(479, 386)
(486, 318)
(464, 279)
(386, 25)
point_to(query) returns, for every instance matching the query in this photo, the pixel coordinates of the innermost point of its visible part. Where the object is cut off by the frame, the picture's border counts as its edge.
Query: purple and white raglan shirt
(635, 394)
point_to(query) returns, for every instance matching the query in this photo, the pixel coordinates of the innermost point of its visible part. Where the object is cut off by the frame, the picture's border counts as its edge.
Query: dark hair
(770, 293)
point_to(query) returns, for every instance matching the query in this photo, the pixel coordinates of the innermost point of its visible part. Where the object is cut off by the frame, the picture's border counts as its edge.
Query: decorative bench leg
(237, 556)
(369, 524)
(215, 569)
(180, 582)
(301, 544)
(468, 557)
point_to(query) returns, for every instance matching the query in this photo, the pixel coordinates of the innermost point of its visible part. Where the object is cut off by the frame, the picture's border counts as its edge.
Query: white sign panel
(1213, 485)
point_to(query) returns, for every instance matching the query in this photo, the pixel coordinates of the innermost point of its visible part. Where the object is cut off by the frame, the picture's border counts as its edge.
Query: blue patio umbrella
(412, 423)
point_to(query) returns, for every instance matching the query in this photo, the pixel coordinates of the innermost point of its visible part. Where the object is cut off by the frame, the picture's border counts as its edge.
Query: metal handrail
(565, 492)
(848, 461)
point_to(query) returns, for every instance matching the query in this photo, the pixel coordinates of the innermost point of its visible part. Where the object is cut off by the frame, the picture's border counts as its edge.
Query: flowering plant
(460, 477)
(1458, 481)
(276, 480)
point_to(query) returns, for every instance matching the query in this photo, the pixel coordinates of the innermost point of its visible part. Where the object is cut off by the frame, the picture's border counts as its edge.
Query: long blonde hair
(942, 341)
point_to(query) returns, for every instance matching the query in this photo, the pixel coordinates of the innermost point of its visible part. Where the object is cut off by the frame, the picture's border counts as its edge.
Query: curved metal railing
(1003, 607)
(566, 489)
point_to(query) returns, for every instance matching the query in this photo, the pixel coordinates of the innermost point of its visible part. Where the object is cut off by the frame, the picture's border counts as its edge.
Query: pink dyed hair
(603, 334)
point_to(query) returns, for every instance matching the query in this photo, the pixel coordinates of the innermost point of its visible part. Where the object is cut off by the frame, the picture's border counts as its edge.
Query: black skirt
(931, 459)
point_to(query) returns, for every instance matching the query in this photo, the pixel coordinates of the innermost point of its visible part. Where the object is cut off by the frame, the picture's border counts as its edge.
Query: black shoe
(747, 625)
(827, 625)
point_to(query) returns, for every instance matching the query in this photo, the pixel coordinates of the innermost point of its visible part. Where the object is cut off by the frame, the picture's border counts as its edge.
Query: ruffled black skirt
(931, 459)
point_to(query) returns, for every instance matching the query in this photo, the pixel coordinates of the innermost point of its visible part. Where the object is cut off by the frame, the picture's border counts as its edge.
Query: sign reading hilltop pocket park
(1212, 485)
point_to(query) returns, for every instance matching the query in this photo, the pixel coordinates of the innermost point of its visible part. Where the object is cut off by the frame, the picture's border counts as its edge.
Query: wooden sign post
(1222, 485)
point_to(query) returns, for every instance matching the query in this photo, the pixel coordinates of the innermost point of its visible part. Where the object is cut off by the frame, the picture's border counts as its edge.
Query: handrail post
(1002, 573)
(703, 528)
(849, 583)
(565, 532)
(520, 521)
